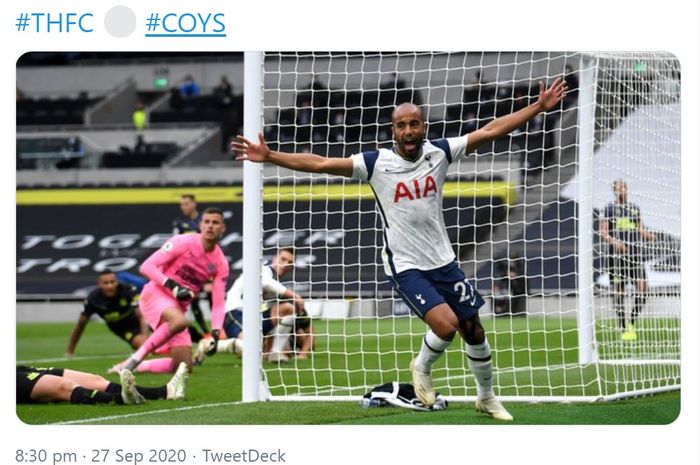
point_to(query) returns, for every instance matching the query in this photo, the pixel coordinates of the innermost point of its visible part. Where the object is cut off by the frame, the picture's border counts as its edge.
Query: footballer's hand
(214, 342)
(551, 96)
(245, 149)
(179, 291)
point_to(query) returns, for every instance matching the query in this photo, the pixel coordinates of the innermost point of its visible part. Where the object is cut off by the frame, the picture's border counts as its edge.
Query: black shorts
(126, 330)
(625, 268)
(27, 378)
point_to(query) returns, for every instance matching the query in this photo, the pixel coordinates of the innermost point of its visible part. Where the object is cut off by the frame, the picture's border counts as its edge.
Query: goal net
(512, 213)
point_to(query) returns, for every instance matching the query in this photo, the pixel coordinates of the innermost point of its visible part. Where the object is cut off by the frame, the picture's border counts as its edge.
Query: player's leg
(41, 385)
(86, 380)
(619, 302)
(639, 277)
(303, 338)
(156, 365)
(172, 322)
(617, 283)
(131, 333)
(232, 342)
(182, 354)
(281, 317)
(465, 301)
(52, 388)
(178, 347)
(640, 299)
(426, 302)
(92, 381)
(127, 392)
(630, 272)
(442, 324)
(138, 340)
(173, 390)
(481, 366)
(198, 317)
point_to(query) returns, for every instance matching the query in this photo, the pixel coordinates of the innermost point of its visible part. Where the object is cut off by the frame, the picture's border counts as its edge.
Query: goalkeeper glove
(215, 344)
(179, 291)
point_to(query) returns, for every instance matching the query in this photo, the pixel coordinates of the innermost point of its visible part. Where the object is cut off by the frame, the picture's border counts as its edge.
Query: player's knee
(445, 330)
(472, 331)
(285, 309)
(477, 336)
(179, 357)
(178, 324)
(66, 386)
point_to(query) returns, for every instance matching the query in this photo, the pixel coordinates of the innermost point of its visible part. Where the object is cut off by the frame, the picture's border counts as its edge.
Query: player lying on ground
(43, 385)
(407, 182)
(118, 305)
(177, 272)
(278, 317)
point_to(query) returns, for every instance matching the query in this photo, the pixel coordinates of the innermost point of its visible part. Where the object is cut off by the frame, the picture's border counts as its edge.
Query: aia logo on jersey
(415, 190)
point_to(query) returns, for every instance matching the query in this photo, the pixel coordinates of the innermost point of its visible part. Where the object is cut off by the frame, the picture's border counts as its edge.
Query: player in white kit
(407, 182)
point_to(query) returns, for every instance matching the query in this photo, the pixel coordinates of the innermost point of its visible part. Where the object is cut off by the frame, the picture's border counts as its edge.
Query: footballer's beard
(410, 149)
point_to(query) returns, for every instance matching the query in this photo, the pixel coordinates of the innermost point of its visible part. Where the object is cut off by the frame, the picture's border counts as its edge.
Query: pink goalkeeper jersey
(182, 258)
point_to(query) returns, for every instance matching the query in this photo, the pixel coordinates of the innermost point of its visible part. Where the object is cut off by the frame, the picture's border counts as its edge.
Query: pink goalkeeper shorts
(153, 302)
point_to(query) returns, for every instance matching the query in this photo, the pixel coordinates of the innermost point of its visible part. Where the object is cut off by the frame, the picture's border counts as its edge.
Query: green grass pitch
(214, 390)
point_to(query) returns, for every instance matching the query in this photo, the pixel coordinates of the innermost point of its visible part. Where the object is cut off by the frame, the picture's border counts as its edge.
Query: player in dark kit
(41, 385)
(118, 305)
(188, 222)
(621, 227)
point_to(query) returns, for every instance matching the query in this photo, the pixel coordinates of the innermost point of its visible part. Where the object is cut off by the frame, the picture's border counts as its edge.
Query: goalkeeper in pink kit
(177, 272)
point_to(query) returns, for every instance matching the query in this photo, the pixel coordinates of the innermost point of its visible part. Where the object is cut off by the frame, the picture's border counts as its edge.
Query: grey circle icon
(120, 21)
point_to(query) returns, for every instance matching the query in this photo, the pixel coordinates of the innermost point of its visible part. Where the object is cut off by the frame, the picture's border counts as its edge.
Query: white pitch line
(67, 359)
(140, 414)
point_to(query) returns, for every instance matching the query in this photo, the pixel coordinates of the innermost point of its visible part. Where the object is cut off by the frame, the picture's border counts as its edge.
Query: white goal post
(524, 215)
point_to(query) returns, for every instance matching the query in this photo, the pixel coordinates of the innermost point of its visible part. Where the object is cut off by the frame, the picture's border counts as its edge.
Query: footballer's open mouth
(410, 145)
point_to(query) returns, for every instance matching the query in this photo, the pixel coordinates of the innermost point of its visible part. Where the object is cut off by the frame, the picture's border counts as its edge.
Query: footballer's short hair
(286, 248)
(213, 211)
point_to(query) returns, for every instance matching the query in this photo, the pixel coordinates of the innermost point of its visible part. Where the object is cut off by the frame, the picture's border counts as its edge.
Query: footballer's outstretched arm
(245, 149)
(499, 127)
(75, 335)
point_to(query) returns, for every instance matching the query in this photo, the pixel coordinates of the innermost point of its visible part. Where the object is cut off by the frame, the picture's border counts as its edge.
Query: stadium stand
(92, 97)
(60, 110)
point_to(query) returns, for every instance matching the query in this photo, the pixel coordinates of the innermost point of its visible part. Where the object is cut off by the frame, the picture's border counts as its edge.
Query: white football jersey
(271, 289)
(409, 198)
